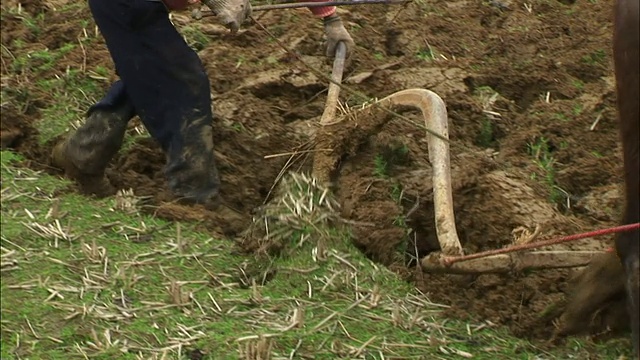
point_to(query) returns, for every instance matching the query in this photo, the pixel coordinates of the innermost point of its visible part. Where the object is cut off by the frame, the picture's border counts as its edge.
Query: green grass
(485, 137)
(598, 57)
(544, 160)
(427, 54)
(487, 97)
(578, 84)
(195, 37)
(75, 93)
(381, 167)
(84, 277)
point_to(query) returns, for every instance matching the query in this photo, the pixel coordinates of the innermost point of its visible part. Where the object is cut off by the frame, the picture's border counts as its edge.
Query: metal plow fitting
(333, 137)
(434, 113)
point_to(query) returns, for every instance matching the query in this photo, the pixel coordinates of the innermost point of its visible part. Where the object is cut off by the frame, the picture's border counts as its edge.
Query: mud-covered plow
(358, 124)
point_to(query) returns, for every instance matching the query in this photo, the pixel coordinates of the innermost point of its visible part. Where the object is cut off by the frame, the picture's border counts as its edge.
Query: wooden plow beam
(506, 263)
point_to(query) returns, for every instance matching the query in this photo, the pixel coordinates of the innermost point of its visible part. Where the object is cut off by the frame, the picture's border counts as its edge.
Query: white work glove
(336, 32)
(232, 13)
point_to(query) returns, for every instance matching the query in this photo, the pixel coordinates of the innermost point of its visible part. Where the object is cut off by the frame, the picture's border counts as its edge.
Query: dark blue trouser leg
(115, 97)
(166, 82)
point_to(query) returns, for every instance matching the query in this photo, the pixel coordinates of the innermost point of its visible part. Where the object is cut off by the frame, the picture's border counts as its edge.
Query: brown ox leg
(608, 275)
(626, 46)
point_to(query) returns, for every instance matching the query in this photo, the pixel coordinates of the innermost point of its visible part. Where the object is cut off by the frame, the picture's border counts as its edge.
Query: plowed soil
(512, 76)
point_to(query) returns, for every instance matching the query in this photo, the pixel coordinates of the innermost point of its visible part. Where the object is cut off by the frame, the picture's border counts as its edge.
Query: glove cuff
(331, 19)
(323, 11)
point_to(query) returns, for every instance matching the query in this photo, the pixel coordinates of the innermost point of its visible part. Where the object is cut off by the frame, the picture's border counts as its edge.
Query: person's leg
(169, 88)
(85, 153)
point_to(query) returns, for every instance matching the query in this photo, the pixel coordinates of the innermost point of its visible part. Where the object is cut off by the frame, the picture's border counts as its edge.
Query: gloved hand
(232, 13)
(336, 32)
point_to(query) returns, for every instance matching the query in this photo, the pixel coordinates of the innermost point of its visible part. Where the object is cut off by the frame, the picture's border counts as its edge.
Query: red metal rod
(448, 260)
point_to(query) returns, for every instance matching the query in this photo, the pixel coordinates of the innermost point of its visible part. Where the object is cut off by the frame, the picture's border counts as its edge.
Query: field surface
(534, 144)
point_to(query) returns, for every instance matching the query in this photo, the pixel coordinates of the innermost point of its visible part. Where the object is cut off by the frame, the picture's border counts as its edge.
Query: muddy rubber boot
(193, 177)
(85, 154)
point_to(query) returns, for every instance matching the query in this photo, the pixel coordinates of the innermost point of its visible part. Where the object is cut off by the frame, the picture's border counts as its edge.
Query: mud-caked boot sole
(229, 220)
(219, 214)
(89, 184)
